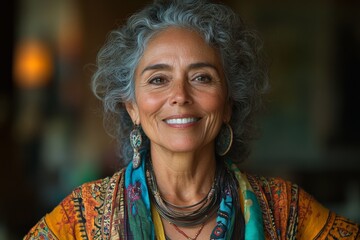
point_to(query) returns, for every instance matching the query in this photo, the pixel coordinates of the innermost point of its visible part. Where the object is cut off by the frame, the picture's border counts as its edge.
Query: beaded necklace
(185, 216)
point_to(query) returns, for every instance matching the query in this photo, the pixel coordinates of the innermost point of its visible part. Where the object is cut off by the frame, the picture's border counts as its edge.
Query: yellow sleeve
(312, 216)
(61, 223)
(40, 231)
(317, 222)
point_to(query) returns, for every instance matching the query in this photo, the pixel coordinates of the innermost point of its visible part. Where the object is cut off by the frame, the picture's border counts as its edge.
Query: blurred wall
(310, 128)
(51, 125)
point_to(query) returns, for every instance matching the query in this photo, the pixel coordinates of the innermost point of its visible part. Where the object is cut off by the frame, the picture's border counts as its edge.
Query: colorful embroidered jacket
(97, 210)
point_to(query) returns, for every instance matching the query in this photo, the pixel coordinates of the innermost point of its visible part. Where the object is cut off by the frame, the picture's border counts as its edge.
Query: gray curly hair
(245, 71)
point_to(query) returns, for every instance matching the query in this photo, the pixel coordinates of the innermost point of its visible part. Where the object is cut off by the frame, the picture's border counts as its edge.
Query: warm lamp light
(33, 65)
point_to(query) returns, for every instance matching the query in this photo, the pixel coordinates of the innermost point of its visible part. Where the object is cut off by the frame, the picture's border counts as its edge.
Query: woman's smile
(181, 122)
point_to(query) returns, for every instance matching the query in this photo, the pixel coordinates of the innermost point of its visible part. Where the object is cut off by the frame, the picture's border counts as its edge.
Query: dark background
(52, 137)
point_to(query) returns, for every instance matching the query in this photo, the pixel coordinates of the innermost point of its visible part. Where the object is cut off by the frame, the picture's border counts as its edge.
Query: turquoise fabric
(254, 226)
(252, 211)
(138, 201)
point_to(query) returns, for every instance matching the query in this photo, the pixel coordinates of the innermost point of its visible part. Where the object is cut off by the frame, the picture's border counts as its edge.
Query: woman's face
(180, 92)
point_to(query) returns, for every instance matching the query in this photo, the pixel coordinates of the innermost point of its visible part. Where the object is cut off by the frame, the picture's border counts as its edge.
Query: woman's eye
(203, 79)
(157, 81)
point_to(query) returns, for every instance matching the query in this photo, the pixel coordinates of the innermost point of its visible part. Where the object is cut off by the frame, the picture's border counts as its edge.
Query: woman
(184, 81)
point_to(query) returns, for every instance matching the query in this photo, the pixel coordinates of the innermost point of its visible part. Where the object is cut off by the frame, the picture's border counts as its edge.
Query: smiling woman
(184, 80)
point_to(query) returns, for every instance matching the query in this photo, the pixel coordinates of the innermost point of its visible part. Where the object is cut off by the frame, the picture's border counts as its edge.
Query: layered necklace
(190, 215)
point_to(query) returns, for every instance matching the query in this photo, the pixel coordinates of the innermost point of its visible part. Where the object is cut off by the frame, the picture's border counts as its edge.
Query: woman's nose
(180, 94)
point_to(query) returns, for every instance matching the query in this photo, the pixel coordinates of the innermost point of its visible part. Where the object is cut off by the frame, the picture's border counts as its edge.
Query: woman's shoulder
(82, 212)
(98, 188)
(275, 190)
(288, 210)
(266, 181)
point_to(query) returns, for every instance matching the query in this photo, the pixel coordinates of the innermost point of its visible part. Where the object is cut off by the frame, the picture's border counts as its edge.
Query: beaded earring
(224, 140)
(136, 141)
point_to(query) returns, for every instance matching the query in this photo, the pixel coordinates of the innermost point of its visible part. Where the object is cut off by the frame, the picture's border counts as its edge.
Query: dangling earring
(224, 139)
(136, 141)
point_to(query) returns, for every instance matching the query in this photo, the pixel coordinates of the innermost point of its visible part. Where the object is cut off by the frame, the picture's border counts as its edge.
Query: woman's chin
(188, 147)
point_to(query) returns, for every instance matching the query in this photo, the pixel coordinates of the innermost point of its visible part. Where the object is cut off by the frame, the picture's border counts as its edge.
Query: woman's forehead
(175, 43)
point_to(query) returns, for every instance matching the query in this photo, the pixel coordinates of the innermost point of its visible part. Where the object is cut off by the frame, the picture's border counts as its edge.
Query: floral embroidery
(134, 194)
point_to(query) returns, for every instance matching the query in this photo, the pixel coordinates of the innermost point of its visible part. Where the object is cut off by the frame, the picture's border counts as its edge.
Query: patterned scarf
(141, 220)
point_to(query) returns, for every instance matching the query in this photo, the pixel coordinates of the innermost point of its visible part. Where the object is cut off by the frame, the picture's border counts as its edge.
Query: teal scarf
(139, 209)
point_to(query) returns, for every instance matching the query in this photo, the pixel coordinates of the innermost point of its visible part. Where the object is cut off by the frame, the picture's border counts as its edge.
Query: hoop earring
(136, 141)
(224, 140)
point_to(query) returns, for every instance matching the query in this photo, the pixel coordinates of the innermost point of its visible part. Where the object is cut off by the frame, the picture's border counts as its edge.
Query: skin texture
(181, 77)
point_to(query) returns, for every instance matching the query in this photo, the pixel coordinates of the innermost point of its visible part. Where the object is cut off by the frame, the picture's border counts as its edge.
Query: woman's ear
(133, 111)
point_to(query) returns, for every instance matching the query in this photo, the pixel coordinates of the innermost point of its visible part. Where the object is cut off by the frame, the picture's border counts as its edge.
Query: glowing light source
(33, 65)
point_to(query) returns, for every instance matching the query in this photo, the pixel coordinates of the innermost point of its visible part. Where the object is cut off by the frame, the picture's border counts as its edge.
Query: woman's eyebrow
(202, 65)
(159, 66)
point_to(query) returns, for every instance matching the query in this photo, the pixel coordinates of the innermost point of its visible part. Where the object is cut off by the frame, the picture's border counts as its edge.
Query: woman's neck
(183, 178)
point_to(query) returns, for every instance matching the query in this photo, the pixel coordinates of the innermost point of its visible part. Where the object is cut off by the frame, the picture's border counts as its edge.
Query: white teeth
(180, 120)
